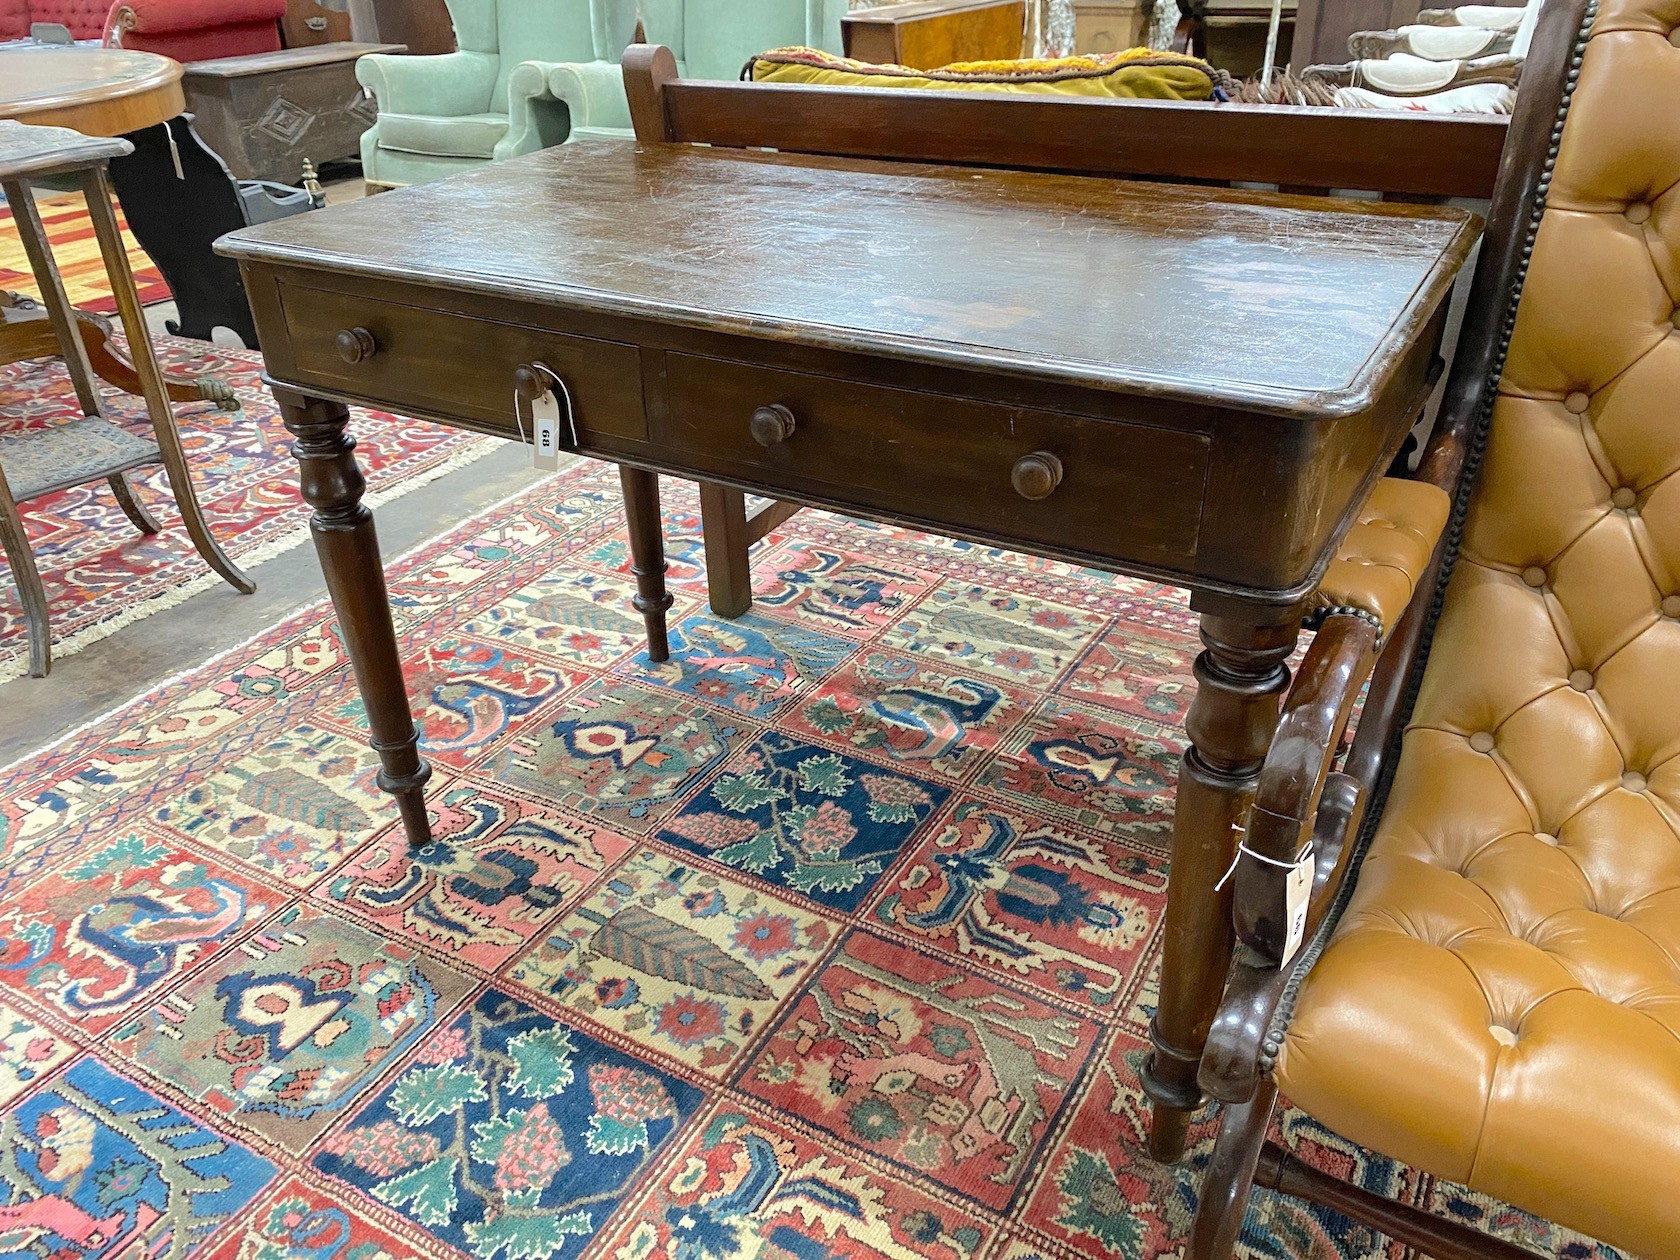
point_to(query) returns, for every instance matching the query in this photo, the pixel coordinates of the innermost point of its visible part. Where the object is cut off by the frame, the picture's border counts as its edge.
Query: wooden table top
(286, 59)
(1279, 304)
(97, 91)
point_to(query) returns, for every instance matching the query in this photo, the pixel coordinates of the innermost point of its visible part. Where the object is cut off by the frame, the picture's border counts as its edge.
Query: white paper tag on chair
(1297, 887)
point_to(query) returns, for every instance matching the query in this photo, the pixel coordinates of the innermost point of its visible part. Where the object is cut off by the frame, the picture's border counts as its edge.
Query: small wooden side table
(91, 448)
(264, 114)
(98, 92)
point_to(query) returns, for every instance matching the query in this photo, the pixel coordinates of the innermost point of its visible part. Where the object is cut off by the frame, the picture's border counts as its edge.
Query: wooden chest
(264, 114)
(927, 34)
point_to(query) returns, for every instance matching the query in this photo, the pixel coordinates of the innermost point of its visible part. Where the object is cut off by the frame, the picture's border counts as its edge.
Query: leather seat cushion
(1500, 1004)
(467, 135)
(1387, 550)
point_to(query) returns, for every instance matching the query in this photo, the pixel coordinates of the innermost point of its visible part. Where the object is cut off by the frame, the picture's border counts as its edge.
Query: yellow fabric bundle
(1135, 73)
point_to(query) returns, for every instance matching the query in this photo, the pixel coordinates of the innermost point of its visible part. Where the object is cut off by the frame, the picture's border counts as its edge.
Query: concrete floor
(142, 655)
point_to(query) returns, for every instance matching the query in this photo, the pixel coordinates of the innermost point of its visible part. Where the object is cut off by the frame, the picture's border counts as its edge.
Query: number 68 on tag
(552, 425)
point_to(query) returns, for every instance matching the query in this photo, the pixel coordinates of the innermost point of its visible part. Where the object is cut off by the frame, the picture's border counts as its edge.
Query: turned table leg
(1241, 678)
(647, 554)
(723, 526)
(349, 549)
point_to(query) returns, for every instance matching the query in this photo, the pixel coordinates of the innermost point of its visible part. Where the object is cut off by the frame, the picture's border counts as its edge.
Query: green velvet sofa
(491, 98)
(712, 39)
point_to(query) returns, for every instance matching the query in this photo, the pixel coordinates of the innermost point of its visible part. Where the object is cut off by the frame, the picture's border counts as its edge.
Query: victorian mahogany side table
(1191, 384)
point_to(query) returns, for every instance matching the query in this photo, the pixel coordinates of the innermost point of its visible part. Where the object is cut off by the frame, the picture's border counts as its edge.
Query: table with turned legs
(1194, 385)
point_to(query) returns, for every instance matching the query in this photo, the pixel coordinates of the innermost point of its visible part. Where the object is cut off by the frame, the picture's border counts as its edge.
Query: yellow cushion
(1137, 72)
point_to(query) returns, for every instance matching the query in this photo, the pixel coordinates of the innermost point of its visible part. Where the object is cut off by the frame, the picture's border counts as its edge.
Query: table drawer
(457, 365)
(1125, 490)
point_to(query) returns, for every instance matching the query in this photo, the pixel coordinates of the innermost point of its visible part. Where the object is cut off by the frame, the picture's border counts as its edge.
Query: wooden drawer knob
(772, 424)
(1036, 476)
(356, 344)
(529, 383)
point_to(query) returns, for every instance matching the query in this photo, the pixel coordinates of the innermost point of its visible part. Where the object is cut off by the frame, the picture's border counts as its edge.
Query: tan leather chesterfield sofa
(1497, 1000)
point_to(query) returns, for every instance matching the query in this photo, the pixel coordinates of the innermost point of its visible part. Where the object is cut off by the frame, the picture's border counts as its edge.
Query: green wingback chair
(712, 39)
(490, 99)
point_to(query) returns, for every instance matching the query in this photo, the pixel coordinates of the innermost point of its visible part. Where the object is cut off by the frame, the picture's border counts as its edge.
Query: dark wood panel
(423, 25)
(1124, 490)
(1424, 155)
(448, 364)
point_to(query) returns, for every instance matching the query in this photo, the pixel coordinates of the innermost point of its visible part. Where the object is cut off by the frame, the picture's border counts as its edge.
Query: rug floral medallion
(834, 937)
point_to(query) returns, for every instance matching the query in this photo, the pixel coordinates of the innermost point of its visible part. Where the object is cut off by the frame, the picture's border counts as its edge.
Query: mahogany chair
(1490, 990)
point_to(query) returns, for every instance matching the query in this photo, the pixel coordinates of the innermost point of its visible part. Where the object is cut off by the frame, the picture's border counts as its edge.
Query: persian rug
(834, 936)
(77, 252)
(102, 574)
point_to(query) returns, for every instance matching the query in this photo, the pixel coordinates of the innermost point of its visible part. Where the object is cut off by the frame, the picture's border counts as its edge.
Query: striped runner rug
(77, 251)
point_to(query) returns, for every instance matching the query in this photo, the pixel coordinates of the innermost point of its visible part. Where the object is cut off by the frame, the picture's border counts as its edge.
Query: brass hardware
(356, 344)
(1036, 476)
(771, 424)
(529, 383)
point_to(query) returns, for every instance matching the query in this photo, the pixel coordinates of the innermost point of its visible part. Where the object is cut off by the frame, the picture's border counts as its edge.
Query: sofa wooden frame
(1315, 785)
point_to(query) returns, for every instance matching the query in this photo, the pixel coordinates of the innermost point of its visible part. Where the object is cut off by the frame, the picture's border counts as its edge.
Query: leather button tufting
(1504, 1036)
(1482, 742)
(1633, 782)
(1638, 212)
(1671, 606)
(1534, 575)
(1675, 318)
(1581, 680)
(1576, 402)
(1623, 497)
(1546, 837)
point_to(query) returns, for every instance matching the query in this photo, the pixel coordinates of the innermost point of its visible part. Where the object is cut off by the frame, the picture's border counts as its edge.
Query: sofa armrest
(443, 86)
(164, 17)
(1310, 799)
(593, 92)
(536, 119)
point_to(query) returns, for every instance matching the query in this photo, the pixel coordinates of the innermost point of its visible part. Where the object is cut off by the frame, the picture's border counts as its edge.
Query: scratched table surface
(1290, 304)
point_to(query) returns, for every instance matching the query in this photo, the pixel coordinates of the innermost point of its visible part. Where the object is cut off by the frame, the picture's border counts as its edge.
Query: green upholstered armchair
(490, 99)
(711, 39)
